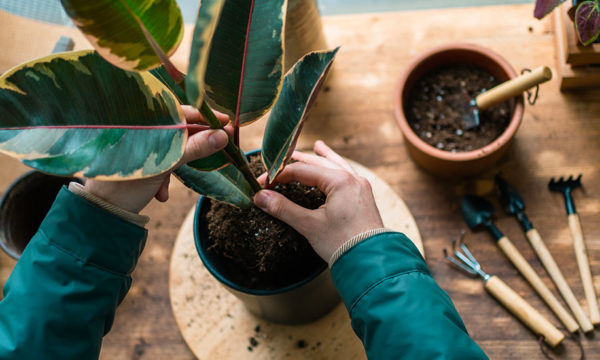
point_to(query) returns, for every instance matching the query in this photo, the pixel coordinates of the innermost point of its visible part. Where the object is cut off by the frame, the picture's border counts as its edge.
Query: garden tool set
(505, 295)
(477, 212)
(503, 92)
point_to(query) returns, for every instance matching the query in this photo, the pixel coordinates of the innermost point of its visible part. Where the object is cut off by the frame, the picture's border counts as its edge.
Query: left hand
(134, 195)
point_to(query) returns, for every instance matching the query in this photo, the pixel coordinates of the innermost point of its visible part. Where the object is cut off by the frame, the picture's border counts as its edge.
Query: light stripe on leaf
(125, 32)
(587, 21)
(245, 63)
(76, 114)
(300, 88)
(206, 22)
(227, 184)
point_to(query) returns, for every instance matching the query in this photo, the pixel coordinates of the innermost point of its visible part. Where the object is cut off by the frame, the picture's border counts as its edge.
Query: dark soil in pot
(438, 101)
(259, 251)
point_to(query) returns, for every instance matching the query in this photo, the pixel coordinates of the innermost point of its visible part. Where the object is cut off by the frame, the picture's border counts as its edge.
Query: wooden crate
(578, 66)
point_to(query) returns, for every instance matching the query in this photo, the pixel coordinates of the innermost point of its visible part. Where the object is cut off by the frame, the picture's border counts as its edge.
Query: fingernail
(218, 139)
(261, 199)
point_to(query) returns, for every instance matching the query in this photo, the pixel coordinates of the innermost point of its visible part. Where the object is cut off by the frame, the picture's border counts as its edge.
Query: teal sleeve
(397, 309)
(61, 297)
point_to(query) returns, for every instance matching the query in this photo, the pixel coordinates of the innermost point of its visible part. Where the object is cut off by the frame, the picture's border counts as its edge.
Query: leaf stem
(231, 150)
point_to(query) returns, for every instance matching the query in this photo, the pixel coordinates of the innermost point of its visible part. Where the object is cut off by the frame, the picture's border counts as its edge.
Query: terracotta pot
(300, 302)
(442, 162)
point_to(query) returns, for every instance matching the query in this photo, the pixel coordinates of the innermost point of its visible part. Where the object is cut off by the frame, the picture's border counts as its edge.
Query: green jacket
(60, 299)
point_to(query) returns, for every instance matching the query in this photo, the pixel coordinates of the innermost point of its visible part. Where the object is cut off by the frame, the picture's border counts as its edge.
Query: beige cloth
(139, 220)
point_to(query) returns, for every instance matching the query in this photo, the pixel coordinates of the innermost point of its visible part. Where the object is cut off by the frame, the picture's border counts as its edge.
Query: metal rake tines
(561, 184)
(465, 259)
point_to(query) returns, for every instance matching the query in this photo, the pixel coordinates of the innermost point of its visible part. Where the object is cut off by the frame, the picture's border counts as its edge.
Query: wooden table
(559, 136)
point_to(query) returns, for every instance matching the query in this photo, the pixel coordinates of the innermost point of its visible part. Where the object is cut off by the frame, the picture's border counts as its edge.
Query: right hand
(349, 210)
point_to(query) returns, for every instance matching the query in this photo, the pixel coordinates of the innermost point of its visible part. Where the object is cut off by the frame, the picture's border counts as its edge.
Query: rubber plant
(585, 16)
(114, 113)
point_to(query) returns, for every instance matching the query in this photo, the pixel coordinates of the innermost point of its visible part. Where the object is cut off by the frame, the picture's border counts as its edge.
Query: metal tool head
(470, 117)
(562, 185)
(476, 210)
(464, 260)
(509, 197)
(565, 187)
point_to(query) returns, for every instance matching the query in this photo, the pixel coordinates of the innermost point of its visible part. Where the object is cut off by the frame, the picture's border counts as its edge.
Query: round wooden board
(216, 325)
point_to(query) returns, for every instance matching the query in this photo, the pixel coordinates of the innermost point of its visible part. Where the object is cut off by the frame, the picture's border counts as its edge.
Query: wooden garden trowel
(503, 92)
(477, 212)
(513, 204)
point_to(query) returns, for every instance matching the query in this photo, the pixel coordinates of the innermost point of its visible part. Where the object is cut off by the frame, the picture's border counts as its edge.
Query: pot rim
(413, 138)
(209, 266)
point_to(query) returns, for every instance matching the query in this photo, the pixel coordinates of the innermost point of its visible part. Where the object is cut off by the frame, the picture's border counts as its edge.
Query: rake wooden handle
(513, 87)
(536, 282)
(523, 311)
(559, 280)
(584, 267)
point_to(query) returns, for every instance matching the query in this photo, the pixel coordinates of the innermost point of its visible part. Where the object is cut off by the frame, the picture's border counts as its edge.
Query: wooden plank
(558, 136)
(574, 53)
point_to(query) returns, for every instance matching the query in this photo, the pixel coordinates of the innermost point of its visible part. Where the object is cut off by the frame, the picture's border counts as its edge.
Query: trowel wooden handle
(584, 268)
(523, 311)
(559, 280)
(536, 282)
(513, 87)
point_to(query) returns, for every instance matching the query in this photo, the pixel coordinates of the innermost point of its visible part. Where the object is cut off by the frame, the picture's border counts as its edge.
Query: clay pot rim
(410, 135)
(231, 284)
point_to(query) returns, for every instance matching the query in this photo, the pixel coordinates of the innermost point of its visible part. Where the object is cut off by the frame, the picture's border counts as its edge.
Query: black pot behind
(300, 302)
(23, 207)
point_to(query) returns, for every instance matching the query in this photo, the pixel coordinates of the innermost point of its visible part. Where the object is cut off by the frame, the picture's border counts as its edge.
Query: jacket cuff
(353, 241)
(139, 220)
(372, 261)
(93, 235)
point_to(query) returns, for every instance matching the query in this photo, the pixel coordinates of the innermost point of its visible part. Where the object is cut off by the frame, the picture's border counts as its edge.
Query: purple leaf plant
(585, 16)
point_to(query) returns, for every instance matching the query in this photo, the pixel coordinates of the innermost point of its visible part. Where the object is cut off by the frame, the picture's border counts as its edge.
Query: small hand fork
(505, 295)
(565, 187)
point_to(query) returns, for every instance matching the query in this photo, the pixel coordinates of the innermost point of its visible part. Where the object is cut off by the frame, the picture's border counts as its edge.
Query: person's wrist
(112, 193)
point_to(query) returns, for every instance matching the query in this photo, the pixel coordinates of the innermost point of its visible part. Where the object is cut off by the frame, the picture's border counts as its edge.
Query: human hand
(134, 195)
(349, 209)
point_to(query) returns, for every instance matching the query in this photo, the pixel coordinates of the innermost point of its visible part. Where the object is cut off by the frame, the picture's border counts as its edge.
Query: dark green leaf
(245, 63)
(300, 88)
(161, 74)
(131, 34)
(226, 185)
(75, 114)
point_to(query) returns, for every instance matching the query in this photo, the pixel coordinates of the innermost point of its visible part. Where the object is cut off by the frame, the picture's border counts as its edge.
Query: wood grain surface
(559, 136)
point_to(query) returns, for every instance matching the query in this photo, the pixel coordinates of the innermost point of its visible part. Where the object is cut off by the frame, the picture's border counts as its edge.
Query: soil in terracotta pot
(437, 103)
(261, 252)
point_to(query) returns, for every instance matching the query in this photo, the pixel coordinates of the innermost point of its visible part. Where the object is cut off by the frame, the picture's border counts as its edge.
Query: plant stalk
(231, 150)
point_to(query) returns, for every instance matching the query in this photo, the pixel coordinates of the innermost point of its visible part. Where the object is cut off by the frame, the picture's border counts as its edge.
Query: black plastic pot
(23, 207)
(300, 302)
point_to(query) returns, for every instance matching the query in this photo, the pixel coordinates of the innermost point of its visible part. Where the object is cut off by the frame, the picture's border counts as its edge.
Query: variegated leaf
(300, 88)
(75, 114)
(245, 64)
(206, 22)
(226, 185)
(131, 34)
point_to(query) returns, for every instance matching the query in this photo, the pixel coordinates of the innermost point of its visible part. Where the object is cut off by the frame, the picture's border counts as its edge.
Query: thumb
(277, 205)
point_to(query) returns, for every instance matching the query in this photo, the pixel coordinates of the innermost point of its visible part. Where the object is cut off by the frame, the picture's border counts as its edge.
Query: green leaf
(206, 22)
(130, 34)
(245, 64)
(74, 114)
(214, 162)
(226, 185)
(587, 22)
(300, 88)
(163, 75)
